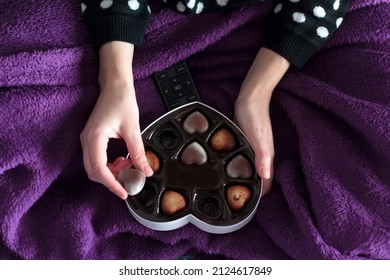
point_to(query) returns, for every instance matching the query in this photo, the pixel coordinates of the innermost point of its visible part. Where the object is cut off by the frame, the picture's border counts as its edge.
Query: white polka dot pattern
(222, 3)
(180, 7)
(336, 5)
(199, 8)
(299, 17)
(322, 32)
(83, 7)
(105, 4)
(338, 22)
(278, 8)
(133, 4)
(191, 4)
(319, 12)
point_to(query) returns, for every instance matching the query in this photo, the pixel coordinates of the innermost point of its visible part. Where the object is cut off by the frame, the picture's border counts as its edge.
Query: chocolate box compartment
(203, 185)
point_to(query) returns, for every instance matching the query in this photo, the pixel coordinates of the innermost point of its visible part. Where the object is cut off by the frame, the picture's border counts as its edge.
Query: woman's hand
(252, 109)
(115, 115)
(252, 116)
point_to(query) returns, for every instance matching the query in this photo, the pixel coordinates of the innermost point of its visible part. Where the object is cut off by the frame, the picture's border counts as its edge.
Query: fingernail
(147, 170)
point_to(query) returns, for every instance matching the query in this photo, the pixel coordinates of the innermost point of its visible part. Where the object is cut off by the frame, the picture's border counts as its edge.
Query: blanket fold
(331, 193)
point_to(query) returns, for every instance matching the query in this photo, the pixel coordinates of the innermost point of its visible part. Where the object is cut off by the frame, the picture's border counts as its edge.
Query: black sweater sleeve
(299, 28)
(116, 20)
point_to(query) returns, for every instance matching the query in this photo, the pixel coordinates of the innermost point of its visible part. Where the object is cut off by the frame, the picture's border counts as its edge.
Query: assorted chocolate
(153, 160)
(172, 202)
(239, 167)
(196, 122)
(203, 166)
(223, 141)
(133, 180)
(238, 196)
(194, 153)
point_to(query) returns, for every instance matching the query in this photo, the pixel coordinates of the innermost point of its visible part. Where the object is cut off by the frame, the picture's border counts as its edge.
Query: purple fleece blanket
(331, 192)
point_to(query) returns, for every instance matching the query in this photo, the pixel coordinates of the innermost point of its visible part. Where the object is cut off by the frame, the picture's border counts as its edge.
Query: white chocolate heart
(194, 154)
(196, 122)
(239, 167)
(132, 180)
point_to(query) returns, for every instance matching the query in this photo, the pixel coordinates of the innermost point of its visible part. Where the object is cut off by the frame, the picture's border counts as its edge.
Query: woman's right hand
(115, 115)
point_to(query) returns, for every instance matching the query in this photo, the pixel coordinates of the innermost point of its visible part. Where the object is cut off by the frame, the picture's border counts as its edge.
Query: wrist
(115, 65)
(266, 71)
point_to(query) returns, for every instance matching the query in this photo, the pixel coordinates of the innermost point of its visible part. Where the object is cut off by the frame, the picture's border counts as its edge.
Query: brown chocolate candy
(223, 140)
(237, 197)
(172, 202)
(153, 160)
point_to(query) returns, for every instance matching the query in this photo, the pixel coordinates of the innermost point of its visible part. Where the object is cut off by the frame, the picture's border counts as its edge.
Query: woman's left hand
(252, 116)
(252, 109)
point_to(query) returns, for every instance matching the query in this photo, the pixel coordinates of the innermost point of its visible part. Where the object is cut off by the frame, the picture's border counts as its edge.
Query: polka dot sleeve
(299, 28)
(116, 20)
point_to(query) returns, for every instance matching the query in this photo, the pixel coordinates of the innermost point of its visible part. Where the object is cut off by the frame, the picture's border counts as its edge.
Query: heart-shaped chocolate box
(204, 173)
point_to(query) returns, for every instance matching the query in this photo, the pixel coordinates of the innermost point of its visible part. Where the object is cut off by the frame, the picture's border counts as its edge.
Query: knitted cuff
(290, 45)
(117, 28)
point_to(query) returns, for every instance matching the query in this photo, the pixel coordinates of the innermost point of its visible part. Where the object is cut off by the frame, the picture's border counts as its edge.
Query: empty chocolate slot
(210, 206)
(147, 196)
(168, 138)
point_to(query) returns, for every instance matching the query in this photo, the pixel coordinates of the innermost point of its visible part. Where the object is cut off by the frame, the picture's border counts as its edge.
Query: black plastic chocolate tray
(202, 185)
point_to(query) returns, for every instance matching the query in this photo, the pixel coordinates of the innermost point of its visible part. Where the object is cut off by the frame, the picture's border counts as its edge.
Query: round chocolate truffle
(153, 160)
(223, 140)
(196, 122)
(237, 197)
(172, 202)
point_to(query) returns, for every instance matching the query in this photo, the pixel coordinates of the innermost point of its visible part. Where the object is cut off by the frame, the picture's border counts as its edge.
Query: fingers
(262, 142)
(136, 151)
(119, 164)
(257, 127)
(95, 163)
(267, 184)
(264, 156)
